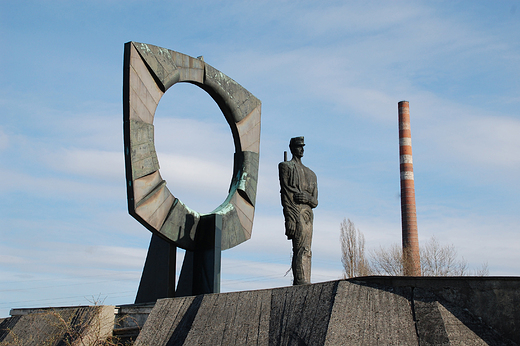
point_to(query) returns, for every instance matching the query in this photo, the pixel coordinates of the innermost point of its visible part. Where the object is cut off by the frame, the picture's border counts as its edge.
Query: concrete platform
(362, 311)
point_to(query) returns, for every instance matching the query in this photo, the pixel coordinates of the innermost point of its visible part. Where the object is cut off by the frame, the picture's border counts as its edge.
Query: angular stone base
(362, 311)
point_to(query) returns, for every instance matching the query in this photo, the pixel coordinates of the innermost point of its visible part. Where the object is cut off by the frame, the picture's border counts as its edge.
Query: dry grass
(82, 326)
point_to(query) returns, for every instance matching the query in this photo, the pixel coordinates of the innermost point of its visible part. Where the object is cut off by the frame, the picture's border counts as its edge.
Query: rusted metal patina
(148, 72)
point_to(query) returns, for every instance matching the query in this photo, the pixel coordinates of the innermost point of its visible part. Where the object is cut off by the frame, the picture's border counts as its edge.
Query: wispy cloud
(87, 163)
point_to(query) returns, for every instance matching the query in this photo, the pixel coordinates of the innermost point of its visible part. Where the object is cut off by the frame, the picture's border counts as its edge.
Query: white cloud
(488, 141)
(204, 175)
(56, 187)
(461, 137)
(4, 140)
(475, 238)
(9, 259)
(87, 163)
(67, 256)
(195, 155)
(199, 137)
(111, 257)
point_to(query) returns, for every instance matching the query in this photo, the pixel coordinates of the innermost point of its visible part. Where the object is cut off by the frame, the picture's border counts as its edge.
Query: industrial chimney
(411, 257)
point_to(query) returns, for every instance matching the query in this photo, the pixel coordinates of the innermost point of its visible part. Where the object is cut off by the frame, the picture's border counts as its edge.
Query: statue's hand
(290, 229)
(301, 198)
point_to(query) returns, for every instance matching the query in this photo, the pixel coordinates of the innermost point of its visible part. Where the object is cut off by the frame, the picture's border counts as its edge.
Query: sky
(332, 71)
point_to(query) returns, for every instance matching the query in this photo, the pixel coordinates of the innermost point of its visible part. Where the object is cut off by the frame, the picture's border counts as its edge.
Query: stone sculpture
(148, 73)
(299, 193)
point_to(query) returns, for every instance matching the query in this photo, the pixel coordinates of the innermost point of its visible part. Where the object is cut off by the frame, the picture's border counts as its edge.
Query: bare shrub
(441, 260)
(82, 326)
(436, 259)
(483, 270)
(387, 261)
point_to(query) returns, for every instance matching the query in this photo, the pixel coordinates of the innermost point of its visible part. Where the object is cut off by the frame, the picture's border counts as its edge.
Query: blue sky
(332, 71)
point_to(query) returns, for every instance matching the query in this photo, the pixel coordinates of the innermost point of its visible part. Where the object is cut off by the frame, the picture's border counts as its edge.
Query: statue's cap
(296, 141)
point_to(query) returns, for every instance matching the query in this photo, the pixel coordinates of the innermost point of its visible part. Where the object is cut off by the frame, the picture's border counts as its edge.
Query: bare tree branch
(436, 259)
(441, 260)
(353, 251)
(387, 261)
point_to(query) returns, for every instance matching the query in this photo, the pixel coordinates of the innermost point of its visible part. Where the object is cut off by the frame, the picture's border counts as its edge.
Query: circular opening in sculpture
(194, 147)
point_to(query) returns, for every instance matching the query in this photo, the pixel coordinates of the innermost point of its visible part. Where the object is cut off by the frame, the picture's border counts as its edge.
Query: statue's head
(296, 145)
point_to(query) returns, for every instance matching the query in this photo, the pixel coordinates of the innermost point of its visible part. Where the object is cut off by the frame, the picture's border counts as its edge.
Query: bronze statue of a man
(299, 192)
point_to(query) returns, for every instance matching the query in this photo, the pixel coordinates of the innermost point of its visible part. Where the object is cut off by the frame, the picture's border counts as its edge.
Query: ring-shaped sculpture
(148, 72)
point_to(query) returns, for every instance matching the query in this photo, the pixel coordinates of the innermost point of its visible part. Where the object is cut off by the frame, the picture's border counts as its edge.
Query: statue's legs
(301, 261)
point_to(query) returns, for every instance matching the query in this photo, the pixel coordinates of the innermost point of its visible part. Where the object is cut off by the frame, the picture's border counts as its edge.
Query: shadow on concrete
(458, 309)
(183, 328)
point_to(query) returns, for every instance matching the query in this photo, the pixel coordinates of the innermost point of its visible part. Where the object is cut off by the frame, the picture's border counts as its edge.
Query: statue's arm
(283, 174)
(286, 193)
(309, 197)
(286, 189)
(313, 200)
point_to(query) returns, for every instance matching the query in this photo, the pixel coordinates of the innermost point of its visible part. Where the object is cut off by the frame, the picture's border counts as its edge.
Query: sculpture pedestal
(200, 271)
(158, 278)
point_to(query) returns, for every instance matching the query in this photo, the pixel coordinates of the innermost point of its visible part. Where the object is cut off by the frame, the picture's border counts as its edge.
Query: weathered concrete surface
(485, 305)
(213, 319)
(88, 325)
(364, 311)
(364, 315)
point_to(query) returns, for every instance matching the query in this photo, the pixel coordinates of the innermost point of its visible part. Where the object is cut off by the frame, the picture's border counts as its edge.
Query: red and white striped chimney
(411, 257)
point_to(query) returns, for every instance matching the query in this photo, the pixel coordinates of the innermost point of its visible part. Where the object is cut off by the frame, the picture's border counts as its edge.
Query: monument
(299, 193)
(375, 310)
(149, 71)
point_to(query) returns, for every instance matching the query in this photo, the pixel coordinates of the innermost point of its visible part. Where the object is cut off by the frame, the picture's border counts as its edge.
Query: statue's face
(297, 150)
